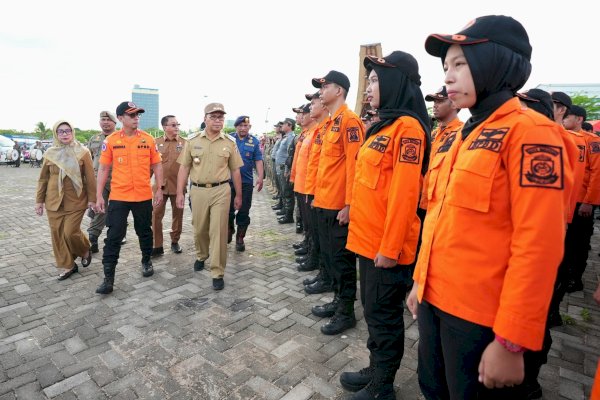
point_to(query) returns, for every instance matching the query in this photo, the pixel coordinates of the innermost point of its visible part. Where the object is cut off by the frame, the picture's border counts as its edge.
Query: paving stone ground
(171, 336)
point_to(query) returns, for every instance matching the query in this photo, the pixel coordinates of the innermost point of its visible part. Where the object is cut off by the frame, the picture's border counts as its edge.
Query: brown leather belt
(209, 185)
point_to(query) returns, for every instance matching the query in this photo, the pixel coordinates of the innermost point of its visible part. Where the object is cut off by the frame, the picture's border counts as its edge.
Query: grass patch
(585, 314)
(568, 320)
(269, 253)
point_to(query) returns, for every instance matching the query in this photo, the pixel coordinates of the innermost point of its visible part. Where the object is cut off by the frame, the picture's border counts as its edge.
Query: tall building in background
(148, 100)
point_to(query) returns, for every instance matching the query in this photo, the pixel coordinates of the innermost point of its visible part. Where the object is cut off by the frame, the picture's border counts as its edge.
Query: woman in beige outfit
(67, 187)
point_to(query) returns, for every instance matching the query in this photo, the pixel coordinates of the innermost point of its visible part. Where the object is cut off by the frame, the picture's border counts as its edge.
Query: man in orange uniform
(495, 223)
(306, 124)
(333, 192)
(322, 282)
(131, 153)
(169, 146)
(384, 225)
(582, 226)
(442, 136)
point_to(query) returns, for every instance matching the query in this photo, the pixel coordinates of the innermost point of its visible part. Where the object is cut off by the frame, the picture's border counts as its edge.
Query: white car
(6, 148)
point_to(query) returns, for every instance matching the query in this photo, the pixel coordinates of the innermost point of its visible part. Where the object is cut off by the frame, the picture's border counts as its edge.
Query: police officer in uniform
(211, 159)
(108, 122)
(248, 146)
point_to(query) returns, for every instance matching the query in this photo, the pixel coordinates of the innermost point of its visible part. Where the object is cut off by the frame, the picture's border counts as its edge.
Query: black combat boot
(310, 281)
(147, 269)
(355, 381)
(381, 387)
(318, 287)
(109, 279)
(342, 320)
(327, 310)
(239, 238)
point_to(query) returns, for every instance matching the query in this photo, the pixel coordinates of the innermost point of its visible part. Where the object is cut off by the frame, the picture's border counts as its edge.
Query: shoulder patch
(352, 133)
(410, 150)
(594, 147)
(489, 139)
(542, 166)
(104, 146)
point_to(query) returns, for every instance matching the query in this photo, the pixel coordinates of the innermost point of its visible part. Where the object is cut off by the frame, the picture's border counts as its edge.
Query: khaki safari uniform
(211, 163)
(169, 149)
(65, 210)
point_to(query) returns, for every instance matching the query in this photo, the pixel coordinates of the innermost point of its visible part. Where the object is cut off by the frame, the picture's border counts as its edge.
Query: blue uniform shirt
(249, 148)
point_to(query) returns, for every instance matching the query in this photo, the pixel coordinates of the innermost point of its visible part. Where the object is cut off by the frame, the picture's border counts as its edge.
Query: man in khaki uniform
(210, 158)
(170, 147)
(108, 122)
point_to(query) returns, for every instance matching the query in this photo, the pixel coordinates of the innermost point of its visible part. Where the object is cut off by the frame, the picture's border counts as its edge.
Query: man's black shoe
(94, 247)
(176, 248)
(157, 251)
(147, 269)
(354, 381)
(318, 287)
(338, 324)
(307, 266)
(276, 207)
(301, 251)
(327, 310)
(302, 259)
(280, 212)
(198, 265)
(286, 220)
(298, 245)
(218, 283)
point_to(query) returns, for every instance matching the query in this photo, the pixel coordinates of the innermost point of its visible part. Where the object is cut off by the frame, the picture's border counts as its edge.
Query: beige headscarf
(66, 157)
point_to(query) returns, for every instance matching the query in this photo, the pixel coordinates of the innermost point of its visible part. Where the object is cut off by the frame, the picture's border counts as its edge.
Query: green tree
(590, 103)
(42, 131)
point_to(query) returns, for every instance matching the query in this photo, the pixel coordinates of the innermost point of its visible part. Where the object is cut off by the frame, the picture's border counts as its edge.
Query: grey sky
(72, 59)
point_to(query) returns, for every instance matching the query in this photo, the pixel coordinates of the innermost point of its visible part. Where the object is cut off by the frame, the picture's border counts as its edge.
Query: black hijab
(498, 73)
(399, 94)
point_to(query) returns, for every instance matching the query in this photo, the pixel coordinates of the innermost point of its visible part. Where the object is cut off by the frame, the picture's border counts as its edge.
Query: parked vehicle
(6, 148)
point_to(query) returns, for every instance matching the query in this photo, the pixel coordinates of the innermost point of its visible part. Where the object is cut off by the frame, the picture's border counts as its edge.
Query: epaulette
(228, 136)
(193, 135)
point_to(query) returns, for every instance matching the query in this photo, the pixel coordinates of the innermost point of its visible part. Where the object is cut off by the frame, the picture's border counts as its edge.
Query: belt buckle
(209, 185)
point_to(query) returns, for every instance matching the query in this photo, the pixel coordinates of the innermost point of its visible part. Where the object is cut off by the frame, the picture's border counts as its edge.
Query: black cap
(441, 94)
(578, 111)
(539, 100)
(397, 59)
(333, 77)
(298, 110)
(309, 96)
(278, 124)
(562, 98)
(290, 121)
(498, 29)
(306, 108)
(128, 107)
(241, 119)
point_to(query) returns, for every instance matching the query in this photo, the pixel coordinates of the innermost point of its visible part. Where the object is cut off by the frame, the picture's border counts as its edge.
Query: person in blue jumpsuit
(249, 147)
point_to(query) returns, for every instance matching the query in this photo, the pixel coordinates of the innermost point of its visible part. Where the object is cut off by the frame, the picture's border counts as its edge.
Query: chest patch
(336, 124)
(380, 143)
(489, 139)
(541, 166)
(448, 139)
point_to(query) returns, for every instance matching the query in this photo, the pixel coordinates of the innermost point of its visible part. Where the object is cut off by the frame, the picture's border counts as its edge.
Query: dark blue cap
(241, 119)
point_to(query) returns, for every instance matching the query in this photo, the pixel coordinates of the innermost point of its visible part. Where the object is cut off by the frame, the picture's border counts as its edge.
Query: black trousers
(450, 350)
(242, 217)
(577, 244)
(116, 221)
(301, 214)
(340, 263)
(384, 294)
(314, 239)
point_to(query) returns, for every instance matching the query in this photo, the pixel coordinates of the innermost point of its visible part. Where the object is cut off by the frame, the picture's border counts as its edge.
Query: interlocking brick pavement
(171, 336)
